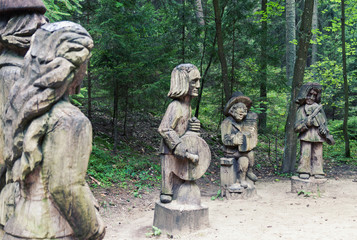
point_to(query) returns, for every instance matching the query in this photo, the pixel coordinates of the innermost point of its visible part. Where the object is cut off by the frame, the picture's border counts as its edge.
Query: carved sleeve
(168, 124)
(301, 118)
(227, 133)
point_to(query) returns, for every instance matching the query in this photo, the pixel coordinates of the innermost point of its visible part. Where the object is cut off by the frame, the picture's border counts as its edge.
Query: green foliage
(218, 195)
(155, 232)
(62, 9)
(336, 128)
(304, 193)
(127, 165)
(335, 153)
(273, 9)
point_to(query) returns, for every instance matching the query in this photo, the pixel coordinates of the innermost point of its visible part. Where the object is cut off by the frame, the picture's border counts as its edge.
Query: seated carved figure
(240, 137)
(311, 124)
(48, 142)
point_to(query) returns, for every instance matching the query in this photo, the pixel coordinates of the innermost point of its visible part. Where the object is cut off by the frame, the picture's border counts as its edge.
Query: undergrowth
(126, 166)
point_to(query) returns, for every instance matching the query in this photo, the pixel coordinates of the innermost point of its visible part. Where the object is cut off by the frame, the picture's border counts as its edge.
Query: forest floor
(275, 213)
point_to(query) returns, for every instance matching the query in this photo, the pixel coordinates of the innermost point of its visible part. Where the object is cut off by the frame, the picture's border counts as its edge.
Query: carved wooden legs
(169, 180)
(311, 161)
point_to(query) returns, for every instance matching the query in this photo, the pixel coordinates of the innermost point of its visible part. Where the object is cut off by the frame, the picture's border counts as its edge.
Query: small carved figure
(48, 142)
(311, 124)
(240, 137)
(185, 81)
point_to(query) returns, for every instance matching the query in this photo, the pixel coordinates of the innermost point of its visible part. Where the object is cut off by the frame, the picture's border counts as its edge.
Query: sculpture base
(176, 218)
(312, 184)
(235, 191)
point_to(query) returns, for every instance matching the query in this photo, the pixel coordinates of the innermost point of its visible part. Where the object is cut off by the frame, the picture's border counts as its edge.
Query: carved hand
(180, 150)
(192, 157)
(323, 130)
(238, 139)
(309, 121)
(194, 124)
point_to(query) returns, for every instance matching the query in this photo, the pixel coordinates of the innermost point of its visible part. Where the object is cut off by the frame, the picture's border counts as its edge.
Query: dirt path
(276, 214)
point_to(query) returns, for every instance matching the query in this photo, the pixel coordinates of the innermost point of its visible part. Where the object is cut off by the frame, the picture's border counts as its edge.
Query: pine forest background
(248, 46)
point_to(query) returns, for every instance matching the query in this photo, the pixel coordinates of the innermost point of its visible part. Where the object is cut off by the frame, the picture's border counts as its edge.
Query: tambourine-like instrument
(185, 168)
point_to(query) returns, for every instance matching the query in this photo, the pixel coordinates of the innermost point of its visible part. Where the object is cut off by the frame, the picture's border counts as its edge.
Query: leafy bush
(336, 128)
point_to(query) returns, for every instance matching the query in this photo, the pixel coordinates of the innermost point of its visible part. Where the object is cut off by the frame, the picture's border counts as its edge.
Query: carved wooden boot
(251, 175)
(242, 179)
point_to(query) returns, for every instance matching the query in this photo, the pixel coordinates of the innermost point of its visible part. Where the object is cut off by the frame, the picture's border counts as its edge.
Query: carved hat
(236, 98)
(304, 91)
(10, 6)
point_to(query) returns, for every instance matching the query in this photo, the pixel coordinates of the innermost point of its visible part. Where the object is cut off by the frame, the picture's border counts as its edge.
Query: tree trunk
(299, 70)
(125, 127)
(345, 83)
(183, 31)
(199, 13)
(222, 57)
(115, 114)
(89, 76)
(290, 37)
(203, 80)
(233, 56)
(263, 72)
(314, 28)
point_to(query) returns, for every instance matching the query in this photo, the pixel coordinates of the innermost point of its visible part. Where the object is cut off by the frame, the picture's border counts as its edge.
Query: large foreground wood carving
(46, 141)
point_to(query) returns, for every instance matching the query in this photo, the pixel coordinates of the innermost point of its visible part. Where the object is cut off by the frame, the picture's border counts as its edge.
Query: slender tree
(345, 83)
(314, 35)
(263, 70)
(299, 70)
(199, 13)
(290, 38)
(221, 54)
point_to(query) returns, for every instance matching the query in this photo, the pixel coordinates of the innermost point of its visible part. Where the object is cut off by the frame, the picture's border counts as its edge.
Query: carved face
(311, 97)
(75, 86)
(238, 111)
(194, 78)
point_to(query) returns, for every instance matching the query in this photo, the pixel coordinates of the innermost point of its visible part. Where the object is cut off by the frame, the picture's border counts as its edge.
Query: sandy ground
(275, 214)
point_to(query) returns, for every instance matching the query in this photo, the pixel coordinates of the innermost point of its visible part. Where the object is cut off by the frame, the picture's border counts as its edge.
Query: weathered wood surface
(185, 157)
(239, 136)
(311, 124)
(311, 185)
(185, 168)
(47, 140)
(176, 218)
(7, 6)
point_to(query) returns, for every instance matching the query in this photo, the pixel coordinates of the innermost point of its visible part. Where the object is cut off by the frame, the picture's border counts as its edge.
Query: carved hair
(57, 51)
(16, 31)
(304, 91)
(180, 80)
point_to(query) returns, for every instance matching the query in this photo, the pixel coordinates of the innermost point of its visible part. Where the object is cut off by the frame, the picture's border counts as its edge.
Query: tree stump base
(175, 218)
(312, 185)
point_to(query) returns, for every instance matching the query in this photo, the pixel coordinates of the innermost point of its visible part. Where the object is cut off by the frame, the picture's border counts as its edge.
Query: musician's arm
(302, 122)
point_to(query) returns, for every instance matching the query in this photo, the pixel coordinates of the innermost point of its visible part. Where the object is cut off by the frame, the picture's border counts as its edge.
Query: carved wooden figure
(311, 124)
(239, 137)
(18, 21)
(185, 157)
(47, 141)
